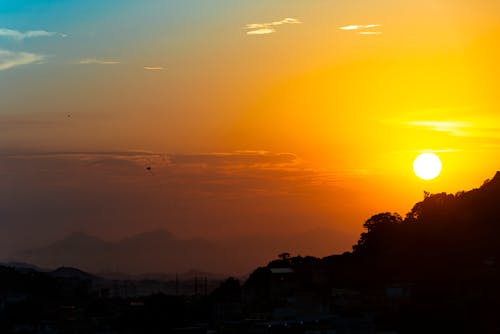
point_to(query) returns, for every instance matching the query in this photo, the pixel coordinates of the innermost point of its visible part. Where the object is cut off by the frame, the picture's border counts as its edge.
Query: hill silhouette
(434, 271)
(161, 252)
(443, 236)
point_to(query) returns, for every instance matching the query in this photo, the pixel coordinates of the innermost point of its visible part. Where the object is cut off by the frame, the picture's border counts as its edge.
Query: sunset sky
(256, 117)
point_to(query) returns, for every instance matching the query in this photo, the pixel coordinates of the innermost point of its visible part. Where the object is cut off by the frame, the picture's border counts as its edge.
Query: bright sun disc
(427, 166)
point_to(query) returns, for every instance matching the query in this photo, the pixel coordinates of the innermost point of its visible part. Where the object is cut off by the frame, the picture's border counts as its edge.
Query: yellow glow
(427, 166)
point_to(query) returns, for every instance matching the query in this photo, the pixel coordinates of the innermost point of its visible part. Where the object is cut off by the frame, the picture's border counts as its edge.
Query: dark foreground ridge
(434, 271)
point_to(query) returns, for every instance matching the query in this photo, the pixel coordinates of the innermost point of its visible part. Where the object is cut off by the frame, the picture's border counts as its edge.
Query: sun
(427, 166)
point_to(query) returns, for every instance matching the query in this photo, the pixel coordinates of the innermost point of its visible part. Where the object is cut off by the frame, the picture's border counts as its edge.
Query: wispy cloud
(93, 61)
(247, 169)
(480, 128)
(359, 27)
(367, 29)
(451, 127)
(20, 35)
(10, 59)
(370, 33)
(268, 28)
(263, 31)
(452, 122)
(153, 68)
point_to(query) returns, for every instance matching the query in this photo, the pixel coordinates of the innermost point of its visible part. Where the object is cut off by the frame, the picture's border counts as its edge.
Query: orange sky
(257, 117)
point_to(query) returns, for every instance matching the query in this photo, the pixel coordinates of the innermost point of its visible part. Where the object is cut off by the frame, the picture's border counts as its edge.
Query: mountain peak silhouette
(160, 251)
(159, 235)
(81, 237)
(70, 272)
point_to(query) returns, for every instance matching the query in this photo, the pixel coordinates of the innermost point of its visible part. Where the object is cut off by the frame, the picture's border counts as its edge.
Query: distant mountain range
(161, 252)
(23, 267)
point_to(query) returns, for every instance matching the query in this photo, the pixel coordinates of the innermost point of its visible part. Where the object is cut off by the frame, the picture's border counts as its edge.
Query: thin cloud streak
(153, 68)
(351, 27)
(19, 35)
(454, 128)
(93, 61)
(261, 164)
(268, 28)
(368, 33)
(10, 59)
(363, 29)
(360, 27)
(264, 31)
(478, 129)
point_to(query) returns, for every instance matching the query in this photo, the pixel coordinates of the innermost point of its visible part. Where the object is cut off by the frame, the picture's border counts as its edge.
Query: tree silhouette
(284, 256)
(379, 228)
